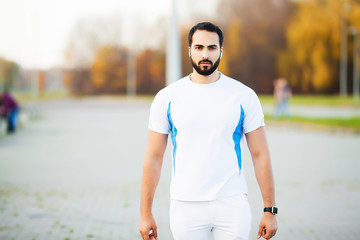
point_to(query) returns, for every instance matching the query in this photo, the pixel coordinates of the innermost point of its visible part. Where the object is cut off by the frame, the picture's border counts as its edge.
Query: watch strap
(273, 210)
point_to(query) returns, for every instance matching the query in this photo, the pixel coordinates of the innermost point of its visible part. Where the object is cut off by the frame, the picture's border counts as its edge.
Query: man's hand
(146, 225)
(268, 226)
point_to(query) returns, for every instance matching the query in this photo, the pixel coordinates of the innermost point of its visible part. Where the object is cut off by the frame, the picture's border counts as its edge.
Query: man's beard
(206, 71)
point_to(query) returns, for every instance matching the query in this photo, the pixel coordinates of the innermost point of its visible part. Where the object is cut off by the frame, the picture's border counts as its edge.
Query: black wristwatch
(273, 210)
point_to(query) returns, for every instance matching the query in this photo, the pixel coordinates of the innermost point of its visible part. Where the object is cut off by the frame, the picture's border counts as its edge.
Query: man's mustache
(205, 61)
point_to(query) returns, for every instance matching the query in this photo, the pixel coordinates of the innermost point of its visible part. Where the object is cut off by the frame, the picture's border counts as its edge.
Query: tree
(87, 41)
(9, 72)
(254, 33)
(109, 70)
(150, 71)
(88, 35)
(311, 59)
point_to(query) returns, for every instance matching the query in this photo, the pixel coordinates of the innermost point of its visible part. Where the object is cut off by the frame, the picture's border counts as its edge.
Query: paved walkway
(75, 173)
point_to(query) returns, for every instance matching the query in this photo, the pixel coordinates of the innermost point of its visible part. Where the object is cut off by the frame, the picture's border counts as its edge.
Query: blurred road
(75, 173)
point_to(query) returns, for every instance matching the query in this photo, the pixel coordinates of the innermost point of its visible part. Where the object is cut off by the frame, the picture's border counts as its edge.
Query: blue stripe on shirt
(173, 134)
(237, 137)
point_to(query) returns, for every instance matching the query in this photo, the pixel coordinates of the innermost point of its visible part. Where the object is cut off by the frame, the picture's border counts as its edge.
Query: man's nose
(205, 54)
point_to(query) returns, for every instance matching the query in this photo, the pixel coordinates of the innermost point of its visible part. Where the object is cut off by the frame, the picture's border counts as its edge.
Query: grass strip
(350, 124)
(314, 100)
(24, 97)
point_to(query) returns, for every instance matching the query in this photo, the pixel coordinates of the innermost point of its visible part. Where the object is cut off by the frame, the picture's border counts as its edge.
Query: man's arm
(156, 146)
(257, 144)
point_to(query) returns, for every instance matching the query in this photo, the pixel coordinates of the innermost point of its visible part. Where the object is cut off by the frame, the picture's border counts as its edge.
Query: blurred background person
(282, 94)
(9, 109)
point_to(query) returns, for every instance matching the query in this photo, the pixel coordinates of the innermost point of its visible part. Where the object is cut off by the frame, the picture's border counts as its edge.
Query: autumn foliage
(109, 70)
(311, 59)
(8, 73)
(150, 71)
(264, 40)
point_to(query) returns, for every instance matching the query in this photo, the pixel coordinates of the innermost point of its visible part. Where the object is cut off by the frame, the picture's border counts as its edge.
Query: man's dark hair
(207, 26)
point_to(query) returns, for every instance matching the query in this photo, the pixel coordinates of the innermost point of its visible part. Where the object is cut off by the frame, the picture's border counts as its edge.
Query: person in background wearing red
(9, 109)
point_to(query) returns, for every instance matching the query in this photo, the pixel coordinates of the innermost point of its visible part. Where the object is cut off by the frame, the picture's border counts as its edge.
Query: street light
(355, 64)
(133, 25)
(343, 50)
(131, 73)
(173, 55)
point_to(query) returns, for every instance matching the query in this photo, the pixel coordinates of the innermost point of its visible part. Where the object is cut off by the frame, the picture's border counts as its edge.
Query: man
(207, 115)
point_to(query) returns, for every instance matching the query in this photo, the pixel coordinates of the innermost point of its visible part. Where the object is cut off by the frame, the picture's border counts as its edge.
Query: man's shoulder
(177, 83)
(236, 85)
(171, 89)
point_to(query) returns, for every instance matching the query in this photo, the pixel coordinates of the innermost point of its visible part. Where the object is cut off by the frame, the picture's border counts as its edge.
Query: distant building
(40, 81)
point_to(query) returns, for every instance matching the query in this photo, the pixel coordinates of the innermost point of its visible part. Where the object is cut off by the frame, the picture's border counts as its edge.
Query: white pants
(225, 219)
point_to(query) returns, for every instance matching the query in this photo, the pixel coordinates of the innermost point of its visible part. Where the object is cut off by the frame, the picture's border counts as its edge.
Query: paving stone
(75, 173)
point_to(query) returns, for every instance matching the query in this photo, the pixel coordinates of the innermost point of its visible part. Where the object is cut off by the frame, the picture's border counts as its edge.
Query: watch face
(275, 210)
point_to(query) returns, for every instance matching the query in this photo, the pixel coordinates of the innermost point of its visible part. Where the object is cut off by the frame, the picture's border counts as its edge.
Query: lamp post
(131, 74)
(343, 51)
(173, 56)
(131, 58)
(355, 64)
(35, 84)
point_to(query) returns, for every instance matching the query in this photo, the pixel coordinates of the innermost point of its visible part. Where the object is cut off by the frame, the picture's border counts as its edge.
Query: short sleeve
(254, 116)
(158, 120)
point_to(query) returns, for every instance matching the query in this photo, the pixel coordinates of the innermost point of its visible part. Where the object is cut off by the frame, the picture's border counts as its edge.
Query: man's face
(205, 52)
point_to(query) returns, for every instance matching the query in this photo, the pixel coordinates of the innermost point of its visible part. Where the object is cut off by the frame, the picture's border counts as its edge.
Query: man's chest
(205, 113)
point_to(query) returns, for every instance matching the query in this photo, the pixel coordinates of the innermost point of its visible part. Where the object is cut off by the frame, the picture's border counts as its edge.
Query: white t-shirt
(207, 123)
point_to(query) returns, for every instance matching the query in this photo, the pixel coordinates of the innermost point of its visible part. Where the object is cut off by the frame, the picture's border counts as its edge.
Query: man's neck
(202, 79)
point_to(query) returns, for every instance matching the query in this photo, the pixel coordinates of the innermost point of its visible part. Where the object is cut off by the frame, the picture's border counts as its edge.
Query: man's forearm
(264, 176)
(151, 176)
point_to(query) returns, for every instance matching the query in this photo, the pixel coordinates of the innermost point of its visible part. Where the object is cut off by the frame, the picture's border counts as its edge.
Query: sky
(35, 33)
